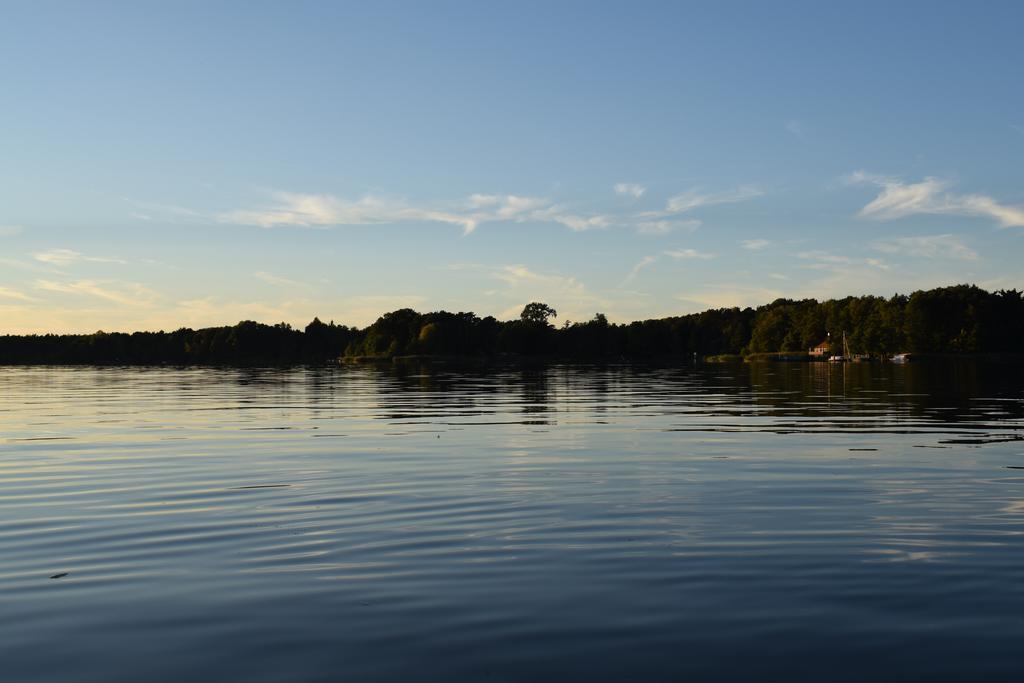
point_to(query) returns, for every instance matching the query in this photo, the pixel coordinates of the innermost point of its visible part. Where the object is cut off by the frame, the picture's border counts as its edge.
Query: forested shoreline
(962, 319)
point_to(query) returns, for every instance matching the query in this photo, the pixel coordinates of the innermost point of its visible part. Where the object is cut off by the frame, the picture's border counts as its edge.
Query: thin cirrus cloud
(667, 220)
(899, 199)
(676, 254)
(694, 198)
(522, 284)
(8, 293)
(823, 260)
(277, 280)
(687, 254)
(729, 295)
(841, 265)
(322, 210)
(127, 294)
(64, 257)
(148, 211)
(573, 221)
(664, 227)
(824, 256)
(641, 264)
(631, 189)
(519, 275)
(310, 210)
(926, 246)
(755, 244)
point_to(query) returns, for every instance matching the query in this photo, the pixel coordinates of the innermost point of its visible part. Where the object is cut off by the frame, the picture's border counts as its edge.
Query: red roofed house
(822, 350)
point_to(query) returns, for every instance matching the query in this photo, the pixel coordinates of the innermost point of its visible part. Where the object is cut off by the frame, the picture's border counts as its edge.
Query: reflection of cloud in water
(901, 555)
(1015, 507)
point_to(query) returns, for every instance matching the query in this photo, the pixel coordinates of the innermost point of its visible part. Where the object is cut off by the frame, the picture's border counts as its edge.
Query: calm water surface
(786, 521)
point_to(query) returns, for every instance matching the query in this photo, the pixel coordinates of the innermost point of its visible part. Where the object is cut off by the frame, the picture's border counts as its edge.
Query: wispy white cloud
(687, 254)
(351, 310)
(312, 210)
(518, 209)
(507, 206)
(322, 210)
(729, 295)
(827, 261)
(632, 189)
(996, 282)
(7, 293)
(124, 293)
(899, 199)
(87, 313)
(63, 257)
(794, 127)
(277, 280)
(755, 244)
(522, 284)
(641, 264)
(363, 309)
(10, 230)
(573, 221)
(823, 257)
(695, 198)
(308, 210)
(58, 257)
(927, 246)
(664, 227)
(518, 275)
(29, 266)
(167, 212)
(835, 277)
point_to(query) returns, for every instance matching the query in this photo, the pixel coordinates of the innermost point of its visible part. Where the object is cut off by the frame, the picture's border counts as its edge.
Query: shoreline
(505, 360)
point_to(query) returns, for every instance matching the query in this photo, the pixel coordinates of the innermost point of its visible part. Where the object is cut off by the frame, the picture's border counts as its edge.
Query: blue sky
(169, 164)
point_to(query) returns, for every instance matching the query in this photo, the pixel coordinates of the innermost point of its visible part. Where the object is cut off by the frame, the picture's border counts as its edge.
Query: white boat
(847, 356)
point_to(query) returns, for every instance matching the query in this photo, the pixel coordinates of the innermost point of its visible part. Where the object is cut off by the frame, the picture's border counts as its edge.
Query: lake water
(748, 522)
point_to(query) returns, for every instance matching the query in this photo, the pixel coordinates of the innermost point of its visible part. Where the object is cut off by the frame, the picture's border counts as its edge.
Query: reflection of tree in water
(597, 391)
(406, 391)
(959, 390)
(427, 390)
(277, 386)
(535, 389)
(950, 391)
(843, 396)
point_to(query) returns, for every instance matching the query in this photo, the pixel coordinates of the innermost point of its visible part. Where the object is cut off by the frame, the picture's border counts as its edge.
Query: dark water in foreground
(787, 522)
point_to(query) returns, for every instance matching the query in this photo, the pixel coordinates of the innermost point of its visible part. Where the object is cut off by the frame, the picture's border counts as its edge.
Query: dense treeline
(961, 319)
(247, 343)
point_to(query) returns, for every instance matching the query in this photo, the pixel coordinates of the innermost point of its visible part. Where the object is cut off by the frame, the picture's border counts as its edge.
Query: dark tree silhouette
(537, 313)
(960, 319)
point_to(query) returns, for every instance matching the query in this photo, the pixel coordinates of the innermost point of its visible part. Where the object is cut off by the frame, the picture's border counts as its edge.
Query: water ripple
(807, 522)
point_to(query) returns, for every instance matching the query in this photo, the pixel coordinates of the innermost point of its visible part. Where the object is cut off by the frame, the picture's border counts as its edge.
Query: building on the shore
(822, 350)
